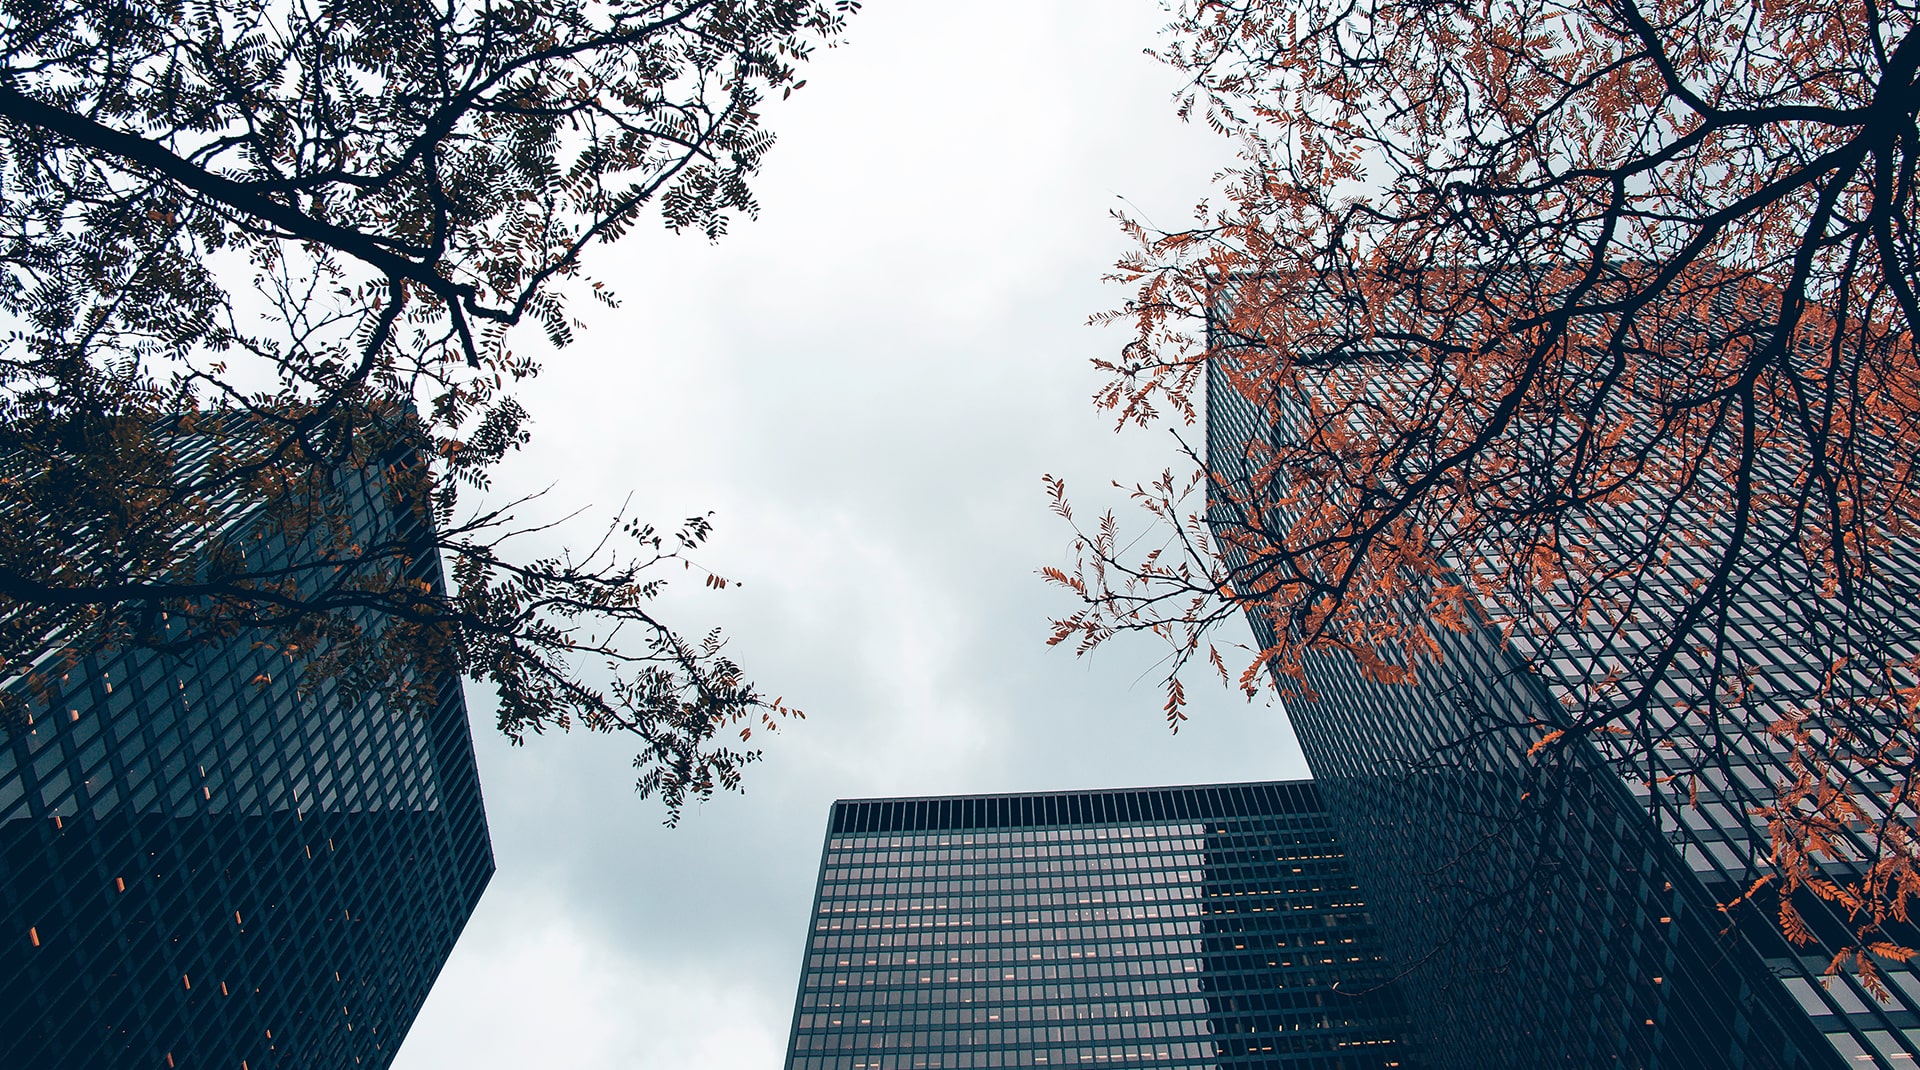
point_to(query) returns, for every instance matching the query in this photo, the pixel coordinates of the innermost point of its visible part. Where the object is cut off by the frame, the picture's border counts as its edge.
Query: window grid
(1205, 931)
(1590, 886)
(203, 864)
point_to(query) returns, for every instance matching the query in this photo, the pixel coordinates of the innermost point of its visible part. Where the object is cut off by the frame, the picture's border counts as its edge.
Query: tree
(1582, 311)
(291, 240)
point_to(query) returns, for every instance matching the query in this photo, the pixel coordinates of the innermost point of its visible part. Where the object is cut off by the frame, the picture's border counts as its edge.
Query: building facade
(1154, 928)
(204, 865)
(1567, 910)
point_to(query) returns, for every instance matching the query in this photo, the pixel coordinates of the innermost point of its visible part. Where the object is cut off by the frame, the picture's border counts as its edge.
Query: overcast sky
(865, 385)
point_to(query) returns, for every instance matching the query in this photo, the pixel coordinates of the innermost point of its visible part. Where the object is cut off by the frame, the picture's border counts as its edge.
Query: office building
(204, 865)
(1563, 908)
(1215, 927)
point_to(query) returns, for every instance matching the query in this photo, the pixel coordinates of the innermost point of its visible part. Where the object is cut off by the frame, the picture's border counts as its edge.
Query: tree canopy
(294, 239)
(1589, 316)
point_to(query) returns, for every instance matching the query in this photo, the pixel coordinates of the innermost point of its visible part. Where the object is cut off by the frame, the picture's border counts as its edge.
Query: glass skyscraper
(1568, 912)
(201, 865)
(1191, 927)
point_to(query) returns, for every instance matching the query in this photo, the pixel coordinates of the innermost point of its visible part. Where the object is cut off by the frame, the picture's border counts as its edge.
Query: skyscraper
(1154, 928)
(201, 865)
(1567, 912)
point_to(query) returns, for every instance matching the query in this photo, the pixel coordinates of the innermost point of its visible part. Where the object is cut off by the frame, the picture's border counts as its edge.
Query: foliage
(1581, 317)
(249, 249)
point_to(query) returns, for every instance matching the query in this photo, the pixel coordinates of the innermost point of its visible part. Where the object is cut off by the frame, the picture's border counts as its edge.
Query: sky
(865, 385)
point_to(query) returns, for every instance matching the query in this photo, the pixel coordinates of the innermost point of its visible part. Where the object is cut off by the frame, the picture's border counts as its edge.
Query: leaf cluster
(257, 255)
(1589, 323)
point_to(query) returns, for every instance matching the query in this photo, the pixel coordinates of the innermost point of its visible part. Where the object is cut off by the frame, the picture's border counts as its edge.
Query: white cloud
(540, 990)
(866, 385)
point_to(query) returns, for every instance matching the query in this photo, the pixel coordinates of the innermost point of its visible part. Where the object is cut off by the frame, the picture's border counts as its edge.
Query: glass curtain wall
(1163, 928)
